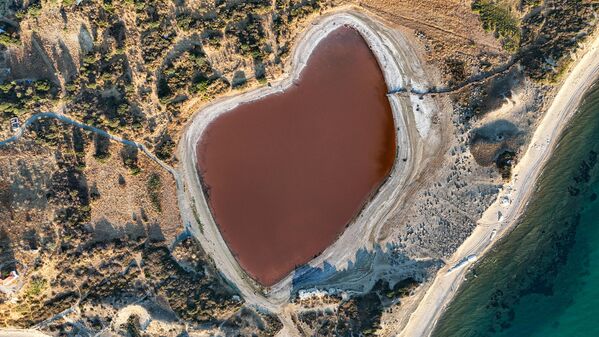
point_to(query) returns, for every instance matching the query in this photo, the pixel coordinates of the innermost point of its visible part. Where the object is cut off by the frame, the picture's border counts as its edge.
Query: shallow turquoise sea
(542, 279)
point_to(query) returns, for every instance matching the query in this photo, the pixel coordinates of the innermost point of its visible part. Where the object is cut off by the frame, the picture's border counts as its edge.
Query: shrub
(498, 18)
(164, 149)
(130, 160)
(36, 286)
(102, 145)
(154, 186)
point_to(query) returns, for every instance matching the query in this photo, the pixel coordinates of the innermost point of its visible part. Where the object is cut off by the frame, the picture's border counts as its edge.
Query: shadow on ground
(364, 270)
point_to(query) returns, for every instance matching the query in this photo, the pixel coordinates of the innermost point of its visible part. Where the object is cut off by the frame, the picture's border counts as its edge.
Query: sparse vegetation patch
(497, 17)
(154, 188)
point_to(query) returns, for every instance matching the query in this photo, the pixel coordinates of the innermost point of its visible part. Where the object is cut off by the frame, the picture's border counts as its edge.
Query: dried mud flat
(402, 70)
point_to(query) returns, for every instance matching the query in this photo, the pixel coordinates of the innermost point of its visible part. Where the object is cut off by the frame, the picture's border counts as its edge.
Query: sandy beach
(511, 202)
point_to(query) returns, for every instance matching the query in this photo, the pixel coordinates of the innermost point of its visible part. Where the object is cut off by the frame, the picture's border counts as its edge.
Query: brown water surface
(285, 174)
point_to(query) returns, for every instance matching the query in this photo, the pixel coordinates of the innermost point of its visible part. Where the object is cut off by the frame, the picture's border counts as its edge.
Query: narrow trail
(476, 79)
(68, 120)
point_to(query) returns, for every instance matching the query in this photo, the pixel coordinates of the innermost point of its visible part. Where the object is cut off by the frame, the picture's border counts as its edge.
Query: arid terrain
(104, 225)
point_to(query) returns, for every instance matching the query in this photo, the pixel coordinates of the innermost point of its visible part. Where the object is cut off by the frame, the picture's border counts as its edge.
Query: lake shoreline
(400, 68)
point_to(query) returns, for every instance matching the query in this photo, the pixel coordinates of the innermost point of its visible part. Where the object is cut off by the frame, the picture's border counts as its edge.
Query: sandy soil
(511, 202)
(118, 209)
(402, 69)
(21, 333)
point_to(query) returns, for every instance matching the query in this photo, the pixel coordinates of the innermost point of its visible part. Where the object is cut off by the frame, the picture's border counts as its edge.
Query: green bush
(154, 186)
(130, 160)
(164, 149)
(42, 85)
(498, 18)
(36, 286)
(8, 40)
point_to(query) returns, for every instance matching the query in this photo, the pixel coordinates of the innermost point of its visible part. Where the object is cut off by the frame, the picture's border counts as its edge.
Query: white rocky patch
(422, 107)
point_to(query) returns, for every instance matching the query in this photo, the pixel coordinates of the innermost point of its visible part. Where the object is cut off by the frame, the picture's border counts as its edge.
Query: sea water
(542, 279)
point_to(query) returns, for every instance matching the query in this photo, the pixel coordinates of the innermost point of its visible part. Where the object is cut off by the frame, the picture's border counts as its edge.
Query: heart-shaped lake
(285, 174)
